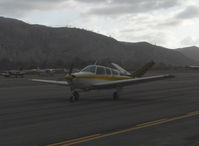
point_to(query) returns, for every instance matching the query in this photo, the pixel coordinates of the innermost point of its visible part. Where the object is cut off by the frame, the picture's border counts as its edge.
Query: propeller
(71, 69)
(69, 75)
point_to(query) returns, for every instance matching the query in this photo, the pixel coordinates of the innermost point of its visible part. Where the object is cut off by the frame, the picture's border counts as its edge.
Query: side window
(114, 73)
(108, 71)
(92, 69)
(100, 70)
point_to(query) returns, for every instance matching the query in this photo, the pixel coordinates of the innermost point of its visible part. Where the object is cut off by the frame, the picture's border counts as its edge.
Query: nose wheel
(115, 96)
(74, 97)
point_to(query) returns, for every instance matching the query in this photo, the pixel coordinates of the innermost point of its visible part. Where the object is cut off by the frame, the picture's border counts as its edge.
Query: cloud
(20, 7)
(179, 17)
(189, 13)
(92, 1)
(170, 23)
(120, 7)
(162, 21)
(190, 41)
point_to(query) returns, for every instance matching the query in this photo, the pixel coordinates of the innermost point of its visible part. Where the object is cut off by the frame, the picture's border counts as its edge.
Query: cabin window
(115, 73)
(93, 69)
(100, 70)
(108, 71)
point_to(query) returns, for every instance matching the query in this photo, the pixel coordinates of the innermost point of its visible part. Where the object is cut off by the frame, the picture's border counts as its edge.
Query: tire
(76, 95)
(72, 99)
(115, 96)
(76, 98)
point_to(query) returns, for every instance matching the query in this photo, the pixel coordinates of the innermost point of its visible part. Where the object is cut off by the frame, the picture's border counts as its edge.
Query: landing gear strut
(74, 97)
(115, 96)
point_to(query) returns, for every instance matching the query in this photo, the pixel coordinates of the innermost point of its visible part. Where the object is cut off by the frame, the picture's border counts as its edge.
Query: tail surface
(140, 72)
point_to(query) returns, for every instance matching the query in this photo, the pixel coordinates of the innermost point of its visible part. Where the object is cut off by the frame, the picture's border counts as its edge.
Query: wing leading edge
(111, 84)
(128, 82)
(193, 67)
(61, 83)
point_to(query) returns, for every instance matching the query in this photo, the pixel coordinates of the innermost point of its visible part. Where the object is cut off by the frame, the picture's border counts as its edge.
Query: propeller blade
(71, 69)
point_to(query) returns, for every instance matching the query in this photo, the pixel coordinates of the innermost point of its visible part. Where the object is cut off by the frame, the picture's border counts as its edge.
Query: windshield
(100, 70)
(90, 68)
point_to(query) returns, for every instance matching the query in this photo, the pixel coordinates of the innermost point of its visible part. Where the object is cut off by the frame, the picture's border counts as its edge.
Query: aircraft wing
(61, 83)
(193, 67)
(129, 82)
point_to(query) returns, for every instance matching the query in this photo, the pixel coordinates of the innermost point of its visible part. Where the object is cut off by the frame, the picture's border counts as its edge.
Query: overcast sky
(169, 23)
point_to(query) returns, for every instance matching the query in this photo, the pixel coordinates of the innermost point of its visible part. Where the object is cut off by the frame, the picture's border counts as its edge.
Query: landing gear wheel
(74, 97)
(115, 96)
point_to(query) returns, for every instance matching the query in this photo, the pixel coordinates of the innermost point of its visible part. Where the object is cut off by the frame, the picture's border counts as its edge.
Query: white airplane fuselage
(85, 80)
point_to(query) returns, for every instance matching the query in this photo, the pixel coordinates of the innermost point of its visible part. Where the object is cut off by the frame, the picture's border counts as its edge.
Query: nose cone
(68, 77)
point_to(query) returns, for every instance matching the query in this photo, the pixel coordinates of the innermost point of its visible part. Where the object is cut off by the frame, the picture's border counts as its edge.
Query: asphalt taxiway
(161, 113)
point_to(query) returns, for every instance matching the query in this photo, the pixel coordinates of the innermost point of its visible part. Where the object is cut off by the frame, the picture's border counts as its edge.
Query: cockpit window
(100, 70)
(90, 68)
(108, 71)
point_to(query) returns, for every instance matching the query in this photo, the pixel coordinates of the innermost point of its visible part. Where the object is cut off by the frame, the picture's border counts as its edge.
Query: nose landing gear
(74, 97)
(115, 96)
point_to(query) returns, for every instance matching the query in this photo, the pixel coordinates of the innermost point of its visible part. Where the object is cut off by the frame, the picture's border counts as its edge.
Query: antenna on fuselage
(95, 62)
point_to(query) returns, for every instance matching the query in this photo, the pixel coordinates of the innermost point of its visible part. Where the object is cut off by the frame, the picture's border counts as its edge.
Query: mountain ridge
(191, 52)
(23, 44)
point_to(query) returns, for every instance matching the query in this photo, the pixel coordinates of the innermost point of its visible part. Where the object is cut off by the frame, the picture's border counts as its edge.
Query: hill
(144, 51)
(191, 52)
(25, 45)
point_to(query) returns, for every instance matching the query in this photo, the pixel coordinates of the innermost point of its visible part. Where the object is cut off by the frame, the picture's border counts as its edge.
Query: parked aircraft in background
(13, 73)
(48, 71)
(96, 77)
(21, 72)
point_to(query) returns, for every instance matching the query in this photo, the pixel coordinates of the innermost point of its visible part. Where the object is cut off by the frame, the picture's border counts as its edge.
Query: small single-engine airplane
(47, 71)
(21, 73)
(13, 73)
(96, 77)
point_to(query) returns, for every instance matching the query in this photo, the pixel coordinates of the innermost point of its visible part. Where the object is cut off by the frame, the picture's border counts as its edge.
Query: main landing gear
(74, 97)
(116, 94)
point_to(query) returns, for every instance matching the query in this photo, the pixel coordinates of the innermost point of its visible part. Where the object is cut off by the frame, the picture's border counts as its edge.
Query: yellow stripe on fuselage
(108, 78)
